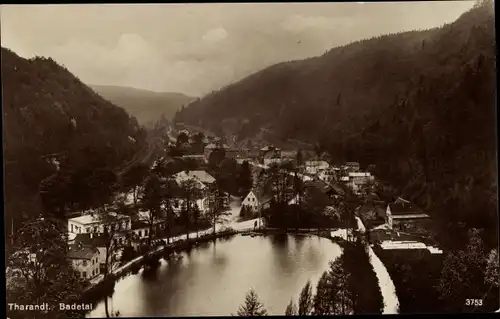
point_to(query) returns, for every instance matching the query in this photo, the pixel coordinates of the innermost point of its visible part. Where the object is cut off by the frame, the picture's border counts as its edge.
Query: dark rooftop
(319, 184)
(90, 240)
(81, 252)
(404, 209)
(137, 224)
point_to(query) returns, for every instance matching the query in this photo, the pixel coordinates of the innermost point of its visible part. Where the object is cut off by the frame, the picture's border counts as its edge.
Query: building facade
(85, 260)
(90, 223)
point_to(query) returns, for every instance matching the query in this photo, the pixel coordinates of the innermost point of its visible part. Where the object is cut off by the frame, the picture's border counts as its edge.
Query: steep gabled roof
(404, 209)
(81, 252)
(261, 196)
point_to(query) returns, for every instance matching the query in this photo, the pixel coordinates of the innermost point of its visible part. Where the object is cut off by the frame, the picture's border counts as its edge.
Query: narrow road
(387, 288)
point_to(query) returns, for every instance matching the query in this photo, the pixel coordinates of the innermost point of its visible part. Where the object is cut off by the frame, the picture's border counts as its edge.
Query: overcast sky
(197, 48)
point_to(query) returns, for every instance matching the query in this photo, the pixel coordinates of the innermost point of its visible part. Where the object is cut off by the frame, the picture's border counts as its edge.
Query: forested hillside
(146, 106)
(419, 105)
(50, 117)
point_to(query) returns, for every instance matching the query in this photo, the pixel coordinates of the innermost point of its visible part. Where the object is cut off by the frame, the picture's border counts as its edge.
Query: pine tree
(333, 296)
(252, 306)
(321, 302)
(291, 309)
(306, 300)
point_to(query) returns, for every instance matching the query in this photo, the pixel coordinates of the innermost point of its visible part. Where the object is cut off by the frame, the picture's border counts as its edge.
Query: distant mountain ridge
(419, 105)
(147, 106)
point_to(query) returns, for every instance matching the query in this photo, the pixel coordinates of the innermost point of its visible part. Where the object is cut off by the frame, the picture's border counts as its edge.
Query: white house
(255, 200)
(403, 215)
(315, 167)
(329, 175)
(140, 229)
(202, 178)
(90, 223)
(84, 260)
(251, 201)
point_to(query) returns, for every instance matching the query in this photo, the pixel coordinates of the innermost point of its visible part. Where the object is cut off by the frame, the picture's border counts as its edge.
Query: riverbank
(176, 244)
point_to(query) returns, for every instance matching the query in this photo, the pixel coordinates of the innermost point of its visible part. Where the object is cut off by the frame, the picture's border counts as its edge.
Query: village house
(273, 158)
(276, 152)
(403, 215)
(352, 166)
(140, 229)
(315, 167)
(90, 223)
(358, 179)
(85, 260)
(197, 158)
(199, 175)
(96, 241)
(256, 201)
(201, 180)
(329, 175)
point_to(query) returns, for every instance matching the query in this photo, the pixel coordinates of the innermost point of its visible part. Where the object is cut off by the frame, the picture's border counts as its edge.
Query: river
(213, 279)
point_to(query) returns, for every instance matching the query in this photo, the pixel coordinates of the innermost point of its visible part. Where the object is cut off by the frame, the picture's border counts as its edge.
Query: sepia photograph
(250, 159)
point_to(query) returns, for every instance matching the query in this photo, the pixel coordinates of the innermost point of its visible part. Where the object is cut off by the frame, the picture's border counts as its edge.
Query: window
(84, 263)
(72, 230)
(88, 229)
(140, 233)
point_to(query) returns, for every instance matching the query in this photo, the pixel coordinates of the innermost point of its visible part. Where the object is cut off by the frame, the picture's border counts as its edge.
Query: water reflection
(213, 279)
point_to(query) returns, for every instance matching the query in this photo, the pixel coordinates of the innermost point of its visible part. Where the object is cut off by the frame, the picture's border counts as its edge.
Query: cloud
(197, 48)
(215, 35)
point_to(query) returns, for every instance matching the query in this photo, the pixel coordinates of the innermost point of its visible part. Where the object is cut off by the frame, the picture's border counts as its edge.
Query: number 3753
(474, 302)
